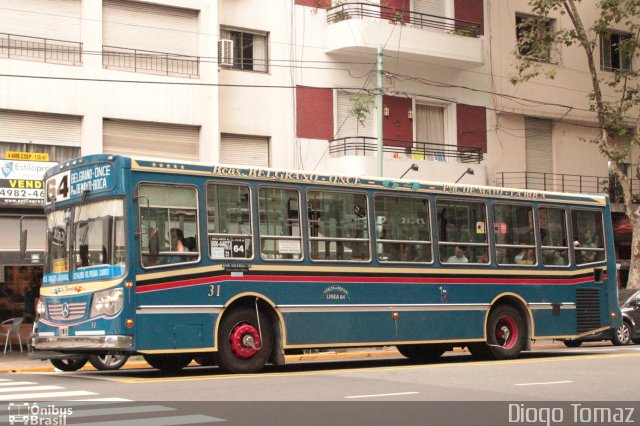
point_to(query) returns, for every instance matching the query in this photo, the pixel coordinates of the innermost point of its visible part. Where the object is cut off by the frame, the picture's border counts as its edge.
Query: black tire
(479, 350)
(206, 360)
(238, 328)
(108, 362)
(74, 364)
(422, 353)
(622, 335)
(572, 343)
(168, 363)
(505, 332)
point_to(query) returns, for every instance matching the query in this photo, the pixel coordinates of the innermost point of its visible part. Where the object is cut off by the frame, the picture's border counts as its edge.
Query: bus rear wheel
(245, 341)
(73, 364)
(505, 333)
(168, 363)
(422, 353)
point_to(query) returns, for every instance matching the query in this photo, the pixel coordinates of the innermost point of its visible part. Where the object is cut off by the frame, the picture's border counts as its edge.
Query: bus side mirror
(23, 243)
(154, 244)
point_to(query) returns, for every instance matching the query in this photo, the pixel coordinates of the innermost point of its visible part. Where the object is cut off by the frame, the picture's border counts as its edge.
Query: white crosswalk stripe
(19, 397)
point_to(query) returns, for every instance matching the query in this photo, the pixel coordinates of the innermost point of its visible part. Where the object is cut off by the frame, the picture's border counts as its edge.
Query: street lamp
(469, 171)
(413, 167)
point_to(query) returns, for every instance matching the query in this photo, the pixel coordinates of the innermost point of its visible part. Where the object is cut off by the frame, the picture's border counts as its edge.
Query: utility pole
(380, 114)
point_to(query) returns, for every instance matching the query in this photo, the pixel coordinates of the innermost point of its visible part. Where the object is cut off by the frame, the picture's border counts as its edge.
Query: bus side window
(462, 231)
(553, 232)
(403, 232)
(280, 237)
(229, 228)
(514, 233)
(338, 226)
(172, 210)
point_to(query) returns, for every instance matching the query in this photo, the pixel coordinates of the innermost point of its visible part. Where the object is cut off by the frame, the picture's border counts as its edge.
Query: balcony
(39, 49)
(360, 28)
(568, 183)
(149, 62)
(436, 162)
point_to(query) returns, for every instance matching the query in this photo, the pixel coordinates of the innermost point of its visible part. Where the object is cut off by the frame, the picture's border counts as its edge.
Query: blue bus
(238, 266)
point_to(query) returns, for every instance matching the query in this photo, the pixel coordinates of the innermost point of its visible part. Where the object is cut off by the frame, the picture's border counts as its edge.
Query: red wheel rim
(506, 332)
(239, 338)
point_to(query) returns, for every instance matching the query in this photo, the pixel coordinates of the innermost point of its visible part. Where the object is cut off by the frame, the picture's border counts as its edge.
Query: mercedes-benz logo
(65, 310)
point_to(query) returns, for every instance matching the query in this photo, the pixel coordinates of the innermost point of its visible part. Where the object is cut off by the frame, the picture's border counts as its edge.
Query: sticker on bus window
(226, 248)
(60, 265)
(288, 247)
(500, 228)
(480, 228)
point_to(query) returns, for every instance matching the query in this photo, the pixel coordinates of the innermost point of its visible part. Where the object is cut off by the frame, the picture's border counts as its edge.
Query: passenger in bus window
(177, 240)
(458, 256)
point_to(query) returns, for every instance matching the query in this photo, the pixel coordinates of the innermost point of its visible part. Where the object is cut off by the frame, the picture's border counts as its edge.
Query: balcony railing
(568, 183)
(368, 146)
(40, 49)
(391, 14)
(150, 62)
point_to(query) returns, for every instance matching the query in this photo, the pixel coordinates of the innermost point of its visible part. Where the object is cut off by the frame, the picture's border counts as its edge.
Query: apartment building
(291, 85)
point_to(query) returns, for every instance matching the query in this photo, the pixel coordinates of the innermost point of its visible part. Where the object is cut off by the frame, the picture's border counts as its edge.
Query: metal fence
(150, 62)
(420, 20)
(40, 49)
(568, 183)
(368, 146)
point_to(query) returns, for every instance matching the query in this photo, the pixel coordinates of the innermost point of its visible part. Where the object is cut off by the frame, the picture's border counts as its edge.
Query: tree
(617, 113)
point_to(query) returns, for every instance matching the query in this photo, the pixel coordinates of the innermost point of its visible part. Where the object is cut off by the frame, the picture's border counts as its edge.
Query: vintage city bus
(238, 266)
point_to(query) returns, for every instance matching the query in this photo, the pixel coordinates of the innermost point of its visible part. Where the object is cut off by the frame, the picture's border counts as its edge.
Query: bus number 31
(214, 290)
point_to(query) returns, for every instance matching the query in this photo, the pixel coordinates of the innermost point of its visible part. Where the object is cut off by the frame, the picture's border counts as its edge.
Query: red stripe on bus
(338, 279)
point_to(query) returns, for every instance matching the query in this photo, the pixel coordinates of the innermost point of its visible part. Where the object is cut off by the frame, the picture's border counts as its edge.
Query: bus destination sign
(75, 182)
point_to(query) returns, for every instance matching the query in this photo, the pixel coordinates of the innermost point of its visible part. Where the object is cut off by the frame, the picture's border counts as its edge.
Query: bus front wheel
(245, 341)
(421, 353)
(72, 364)
(505, 333)
(168, 363)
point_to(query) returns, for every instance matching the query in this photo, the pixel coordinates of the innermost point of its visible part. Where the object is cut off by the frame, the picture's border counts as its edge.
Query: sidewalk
(16, 362)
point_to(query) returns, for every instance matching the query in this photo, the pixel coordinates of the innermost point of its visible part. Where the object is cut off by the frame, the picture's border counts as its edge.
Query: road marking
(160, 421)
(381, 394)
(116, 399)
(44, 395)
(266, 375)
(30, 388)
(17, 383)
(544, 383)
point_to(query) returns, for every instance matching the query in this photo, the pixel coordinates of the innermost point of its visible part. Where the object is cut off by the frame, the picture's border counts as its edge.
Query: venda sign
(21, 182)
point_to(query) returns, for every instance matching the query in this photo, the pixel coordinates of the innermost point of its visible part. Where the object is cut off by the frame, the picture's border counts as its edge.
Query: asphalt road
(338, 390)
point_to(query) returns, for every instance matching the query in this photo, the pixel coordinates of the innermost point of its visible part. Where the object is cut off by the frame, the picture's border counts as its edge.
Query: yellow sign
(60, 265)
(27, 156)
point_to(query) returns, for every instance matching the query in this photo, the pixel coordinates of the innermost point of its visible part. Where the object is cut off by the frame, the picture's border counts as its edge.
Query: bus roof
(156, 165)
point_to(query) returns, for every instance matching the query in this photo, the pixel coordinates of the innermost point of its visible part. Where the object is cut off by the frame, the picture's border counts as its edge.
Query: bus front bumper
(76, 343)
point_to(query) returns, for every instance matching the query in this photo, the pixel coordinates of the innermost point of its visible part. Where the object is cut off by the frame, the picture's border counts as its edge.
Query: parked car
(629, 331)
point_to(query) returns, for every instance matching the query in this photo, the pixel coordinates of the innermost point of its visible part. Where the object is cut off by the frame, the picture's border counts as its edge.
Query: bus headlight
(107, 302)
(41, 309)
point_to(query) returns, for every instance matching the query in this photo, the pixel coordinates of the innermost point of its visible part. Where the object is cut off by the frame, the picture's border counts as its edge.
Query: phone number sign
(21, 182)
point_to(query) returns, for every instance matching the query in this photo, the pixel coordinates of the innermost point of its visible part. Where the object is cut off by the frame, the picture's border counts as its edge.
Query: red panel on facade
(314, 113)
(320, 4)
(472, 126)
(397, 127)
(470, 10)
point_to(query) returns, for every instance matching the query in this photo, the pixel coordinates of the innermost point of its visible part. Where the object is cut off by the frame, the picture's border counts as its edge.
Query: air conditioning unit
(225, 53)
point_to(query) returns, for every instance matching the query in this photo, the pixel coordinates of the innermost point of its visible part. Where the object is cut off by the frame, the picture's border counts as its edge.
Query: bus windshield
(91, 236)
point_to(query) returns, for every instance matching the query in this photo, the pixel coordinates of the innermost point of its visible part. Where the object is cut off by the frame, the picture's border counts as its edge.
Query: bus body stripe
(363, 280)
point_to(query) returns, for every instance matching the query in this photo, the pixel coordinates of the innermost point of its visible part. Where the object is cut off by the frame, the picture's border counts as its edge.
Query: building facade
(292, 85)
